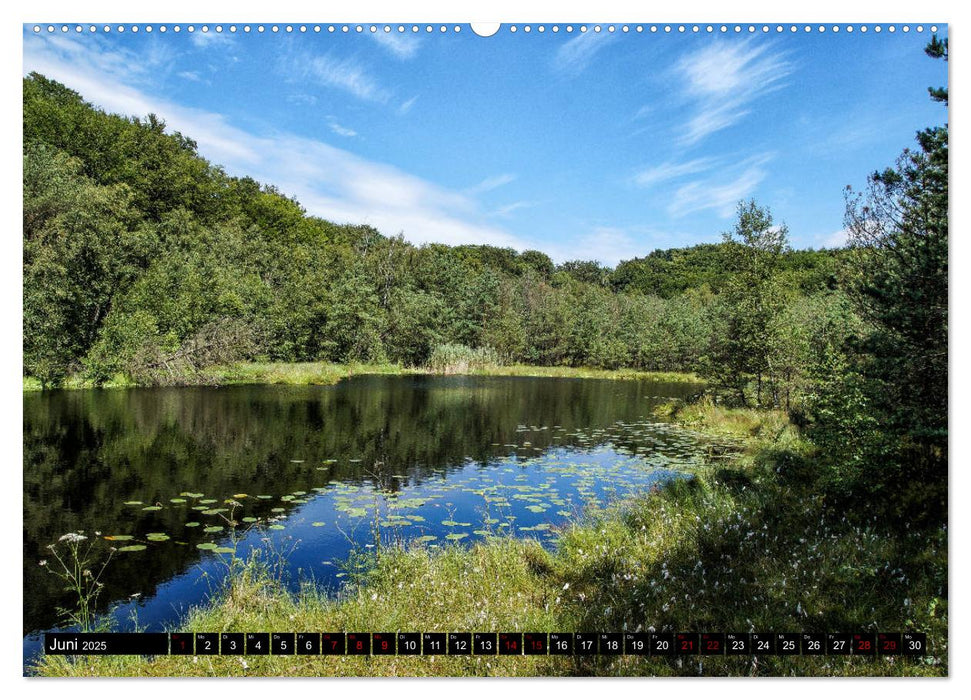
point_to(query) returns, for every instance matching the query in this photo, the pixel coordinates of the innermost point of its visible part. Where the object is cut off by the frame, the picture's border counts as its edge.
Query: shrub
(461, 359)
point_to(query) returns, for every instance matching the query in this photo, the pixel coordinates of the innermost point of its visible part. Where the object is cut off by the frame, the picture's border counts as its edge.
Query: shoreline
(326, 373)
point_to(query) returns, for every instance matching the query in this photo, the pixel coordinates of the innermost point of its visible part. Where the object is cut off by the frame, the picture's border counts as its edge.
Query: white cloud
(510, 208)
(340, 130)
(575, 55)
(407, 105)
(330, 182)
(722, 81)
(190, 75)
(671, 171)
(836, 239)
(204, 40)
(720, 192)
(301, 98)
(491, 183)
(343, 74)
(403, 46)
(608, 245)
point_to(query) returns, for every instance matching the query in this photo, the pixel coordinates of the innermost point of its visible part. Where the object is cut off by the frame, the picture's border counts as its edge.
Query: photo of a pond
(321, 472)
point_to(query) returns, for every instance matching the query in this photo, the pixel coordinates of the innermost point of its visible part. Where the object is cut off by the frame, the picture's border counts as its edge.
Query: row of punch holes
(512, 28)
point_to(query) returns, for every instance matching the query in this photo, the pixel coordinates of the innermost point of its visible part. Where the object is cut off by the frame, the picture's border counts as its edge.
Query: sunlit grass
(326, 373)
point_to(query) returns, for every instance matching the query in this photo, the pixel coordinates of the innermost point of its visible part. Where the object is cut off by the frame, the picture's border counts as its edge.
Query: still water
(320, 472)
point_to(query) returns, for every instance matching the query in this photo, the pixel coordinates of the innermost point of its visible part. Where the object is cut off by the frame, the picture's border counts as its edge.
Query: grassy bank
(749, 545)
(324, 373)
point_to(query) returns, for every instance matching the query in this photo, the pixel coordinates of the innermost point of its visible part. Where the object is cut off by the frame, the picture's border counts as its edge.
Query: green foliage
(882, 406)
(136, 249)
(750, 308)
(459, 359)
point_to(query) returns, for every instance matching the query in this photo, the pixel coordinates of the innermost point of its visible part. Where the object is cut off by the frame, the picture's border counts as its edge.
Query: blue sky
(584, 145)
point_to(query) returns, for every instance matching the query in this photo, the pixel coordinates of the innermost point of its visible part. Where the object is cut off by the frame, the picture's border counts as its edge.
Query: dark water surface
(320, 469)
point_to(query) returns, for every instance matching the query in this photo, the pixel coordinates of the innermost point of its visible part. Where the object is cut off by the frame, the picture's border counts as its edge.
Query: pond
(320, 472)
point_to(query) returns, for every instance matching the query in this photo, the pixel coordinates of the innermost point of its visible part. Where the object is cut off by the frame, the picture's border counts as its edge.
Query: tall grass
(461, 359)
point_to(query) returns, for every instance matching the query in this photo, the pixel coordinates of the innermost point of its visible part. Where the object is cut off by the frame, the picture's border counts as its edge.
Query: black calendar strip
(659, 644)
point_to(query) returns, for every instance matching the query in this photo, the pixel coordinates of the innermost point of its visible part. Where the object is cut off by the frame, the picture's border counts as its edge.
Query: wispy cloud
(508, 209)
(722, 81)
(407, 105)
(301, 98)
(340, 130)
(575, 55)
(340, 73)
(190, 75)
(722, 191)
(403, 46)
(491, 183)
(204, 40)
(671, 170)
(330, 182)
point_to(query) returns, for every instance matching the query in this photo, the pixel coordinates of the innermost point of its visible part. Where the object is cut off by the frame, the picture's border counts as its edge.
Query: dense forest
(143, 259)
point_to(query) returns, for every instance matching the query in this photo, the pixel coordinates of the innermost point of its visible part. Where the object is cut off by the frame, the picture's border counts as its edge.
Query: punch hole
(485, 29)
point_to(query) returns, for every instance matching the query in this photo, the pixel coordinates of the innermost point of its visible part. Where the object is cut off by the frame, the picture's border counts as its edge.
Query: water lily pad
(133, 503)
(318, 524)
(176, 500)
(118, 538)
(152, 508)
(192, 524)
(157, 537)
(264, 497)
(214, 511)
(278, 510)
(132, 548)
(250, 519)
(206, 545)
(240, 495)
(207, 500)
(457, 536)
(213, 528)
(426, 538)
(224, 550)
(276, 526)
